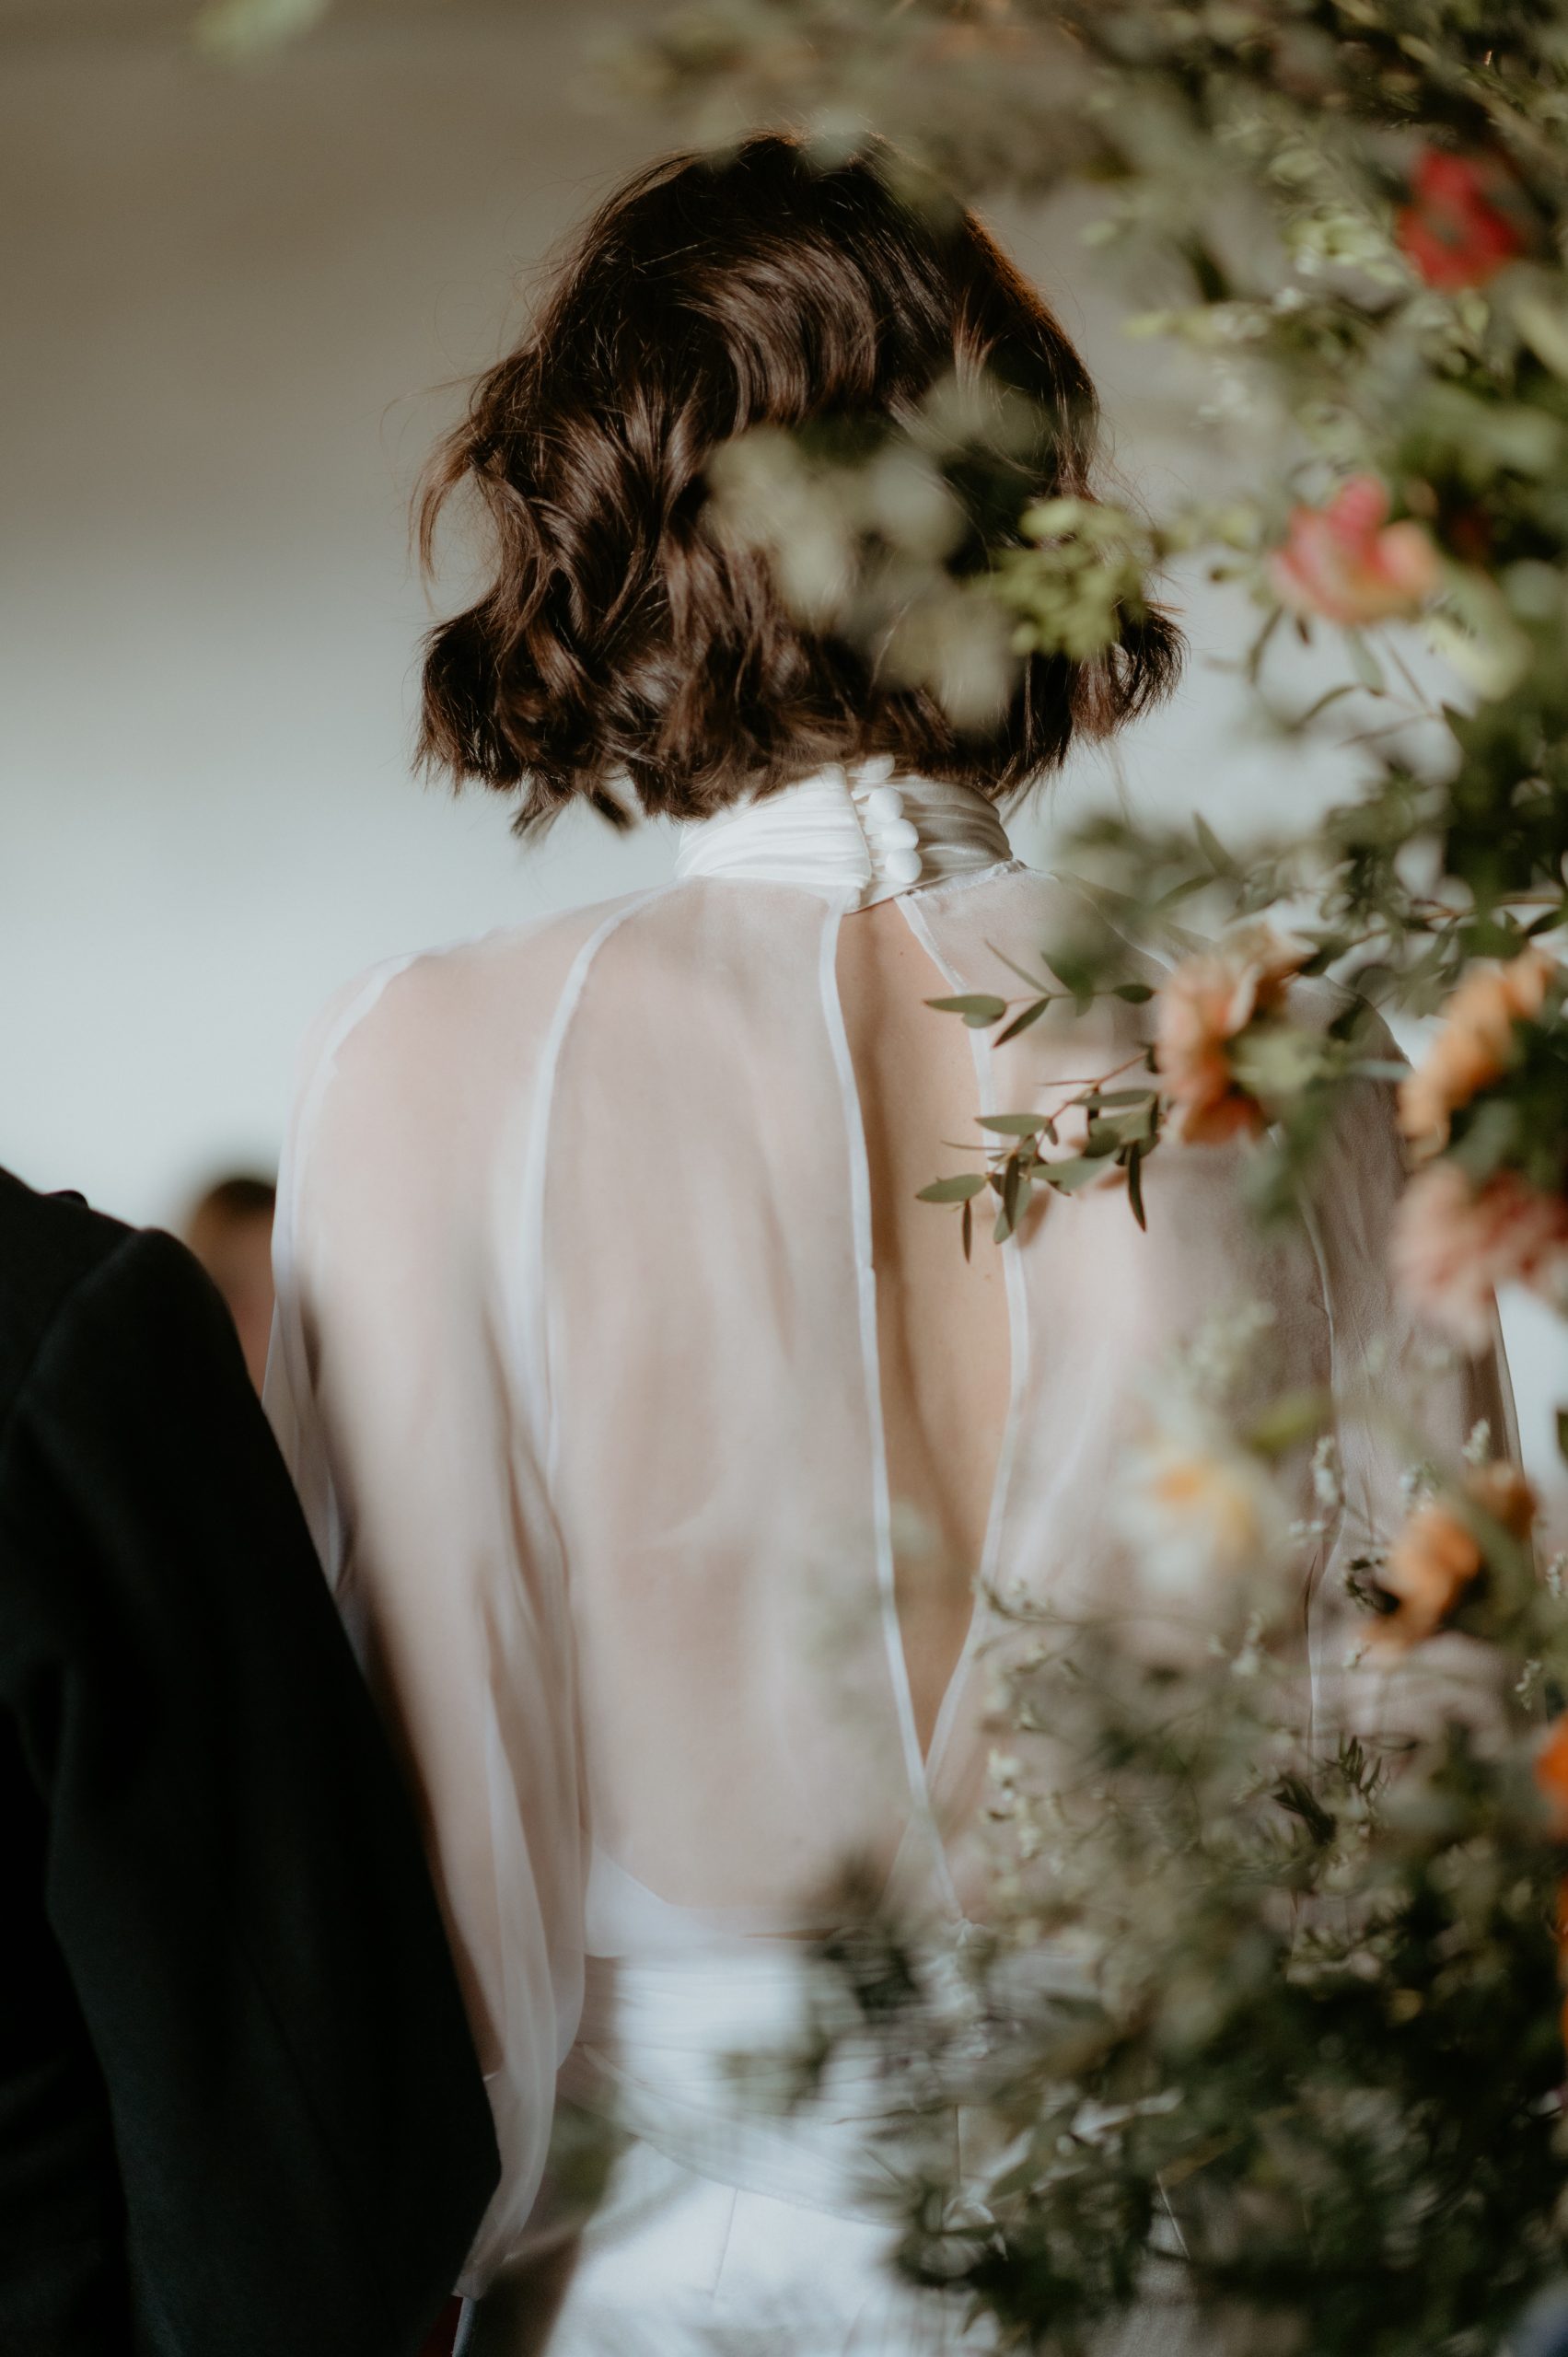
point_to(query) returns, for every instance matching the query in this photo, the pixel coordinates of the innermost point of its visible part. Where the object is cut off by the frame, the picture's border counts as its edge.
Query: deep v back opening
(940, 1336)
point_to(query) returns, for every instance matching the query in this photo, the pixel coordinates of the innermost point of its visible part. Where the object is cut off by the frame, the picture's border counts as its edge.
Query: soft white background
(235, 311)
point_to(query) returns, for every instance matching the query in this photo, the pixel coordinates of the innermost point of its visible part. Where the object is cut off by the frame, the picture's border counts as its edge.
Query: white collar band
(863, 832)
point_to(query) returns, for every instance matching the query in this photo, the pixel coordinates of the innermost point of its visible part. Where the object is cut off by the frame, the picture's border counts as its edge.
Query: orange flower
(1475, 1046)
(1465, 222)
(1437, 1555)
(1455, 1245)
(1205, 1002)
(1551, 1776)
(1348, 564)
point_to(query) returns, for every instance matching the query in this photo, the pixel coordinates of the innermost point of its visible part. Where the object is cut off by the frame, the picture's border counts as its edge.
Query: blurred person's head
(620, 638)
(229, 1230)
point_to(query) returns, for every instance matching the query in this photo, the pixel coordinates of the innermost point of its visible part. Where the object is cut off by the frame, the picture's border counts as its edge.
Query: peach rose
(1348, 564)
(1454, 1245)
(1437, 1555)
(1551, 1776)
(1475, 1045)
(1204, 1004)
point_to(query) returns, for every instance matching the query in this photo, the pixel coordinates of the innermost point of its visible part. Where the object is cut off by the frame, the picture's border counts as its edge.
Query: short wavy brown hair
(620, 642)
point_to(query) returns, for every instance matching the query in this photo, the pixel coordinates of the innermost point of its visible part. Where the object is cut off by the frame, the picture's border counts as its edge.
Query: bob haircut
(618, 641)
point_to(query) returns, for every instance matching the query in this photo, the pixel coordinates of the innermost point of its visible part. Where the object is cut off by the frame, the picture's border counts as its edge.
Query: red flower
(1465, 221)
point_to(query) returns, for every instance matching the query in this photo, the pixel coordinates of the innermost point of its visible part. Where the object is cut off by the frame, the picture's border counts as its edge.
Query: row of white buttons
(894, 837)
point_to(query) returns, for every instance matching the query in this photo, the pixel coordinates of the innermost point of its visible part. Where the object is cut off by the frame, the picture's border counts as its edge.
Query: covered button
(885, 801)
(904, 866)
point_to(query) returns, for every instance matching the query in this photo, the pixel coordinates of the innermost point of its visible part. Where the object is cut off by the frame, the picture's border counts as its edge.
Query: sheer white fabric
(577, 1368)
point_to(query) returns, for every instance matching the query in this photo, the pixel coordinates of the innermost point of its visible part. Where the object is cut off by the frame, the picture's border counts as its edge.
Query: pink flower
(1454, 1245)
(1204, 1004)
(1348, 564)
(1475, 1046)
(1464, 221)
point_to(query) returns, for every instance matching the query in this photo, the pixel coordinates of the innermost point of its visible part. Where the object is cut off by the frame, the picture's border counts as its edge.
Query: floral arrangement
(1299, 2049)
(1357, 212)
(1265, 2023)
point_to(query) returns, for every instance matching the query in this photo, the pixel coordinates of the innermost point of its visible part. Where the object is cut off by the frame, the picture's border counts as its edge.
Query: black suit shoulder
(260, 2048)
(48, 1245)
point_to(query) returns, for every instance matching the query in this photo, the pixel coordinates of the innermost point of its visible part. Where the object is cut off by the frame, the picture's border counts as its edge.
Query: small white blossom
(1221, 1350)
(1249, 1658)
(1478, 1447)
(1328, 1486)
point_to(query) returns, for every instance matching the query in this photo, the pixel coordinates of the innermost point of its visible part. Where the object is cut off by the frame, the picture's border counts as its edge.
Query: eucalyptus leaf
(977, 1007)
(1021, 1023)
(1076, 1171)
(954, 1190)
(1012, 1125)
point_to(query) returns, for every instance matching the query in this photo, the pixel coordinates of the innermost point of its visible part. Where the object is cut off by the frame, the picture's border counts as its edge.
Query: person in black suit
(240, 2114)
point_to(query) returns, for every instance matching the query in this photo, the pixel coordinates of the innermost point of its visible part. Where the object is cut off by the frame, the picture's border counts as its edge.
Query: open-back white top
(577, 1370)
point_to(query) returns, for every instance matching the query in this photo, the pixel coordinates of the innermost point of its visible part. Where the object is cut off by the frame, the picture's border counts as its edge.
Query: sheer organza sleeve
(1405, 1402)
(400, 1388)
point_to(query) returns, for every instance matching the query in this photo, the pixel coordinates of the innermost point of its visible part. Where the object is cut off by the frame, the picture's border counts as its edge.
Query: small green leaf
(977, 1007)
(1213, 851)
(1135, 1185)
(1563, 1434)
(1135, 994)
(1364, 664)
(240, 29)
(1295, 1417)
(1177, 893)
(1022, 1022)
(1260, 645)
(1012, 1125)
(968, 1229)
(1330, 696)
(954, 1190)
(1076, 1172)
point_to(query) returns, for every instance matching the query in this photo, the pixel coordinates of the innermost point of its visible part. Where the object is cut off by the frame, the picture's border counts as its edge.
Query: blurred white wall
(237, 308)
(233, 307)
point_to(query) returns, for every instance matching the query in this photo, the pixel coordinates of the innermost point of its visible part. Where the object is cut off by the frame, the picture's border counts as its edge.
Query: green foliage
(1310, 2061)
(235, 29)
(1278, 2018)
(1274, 161)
